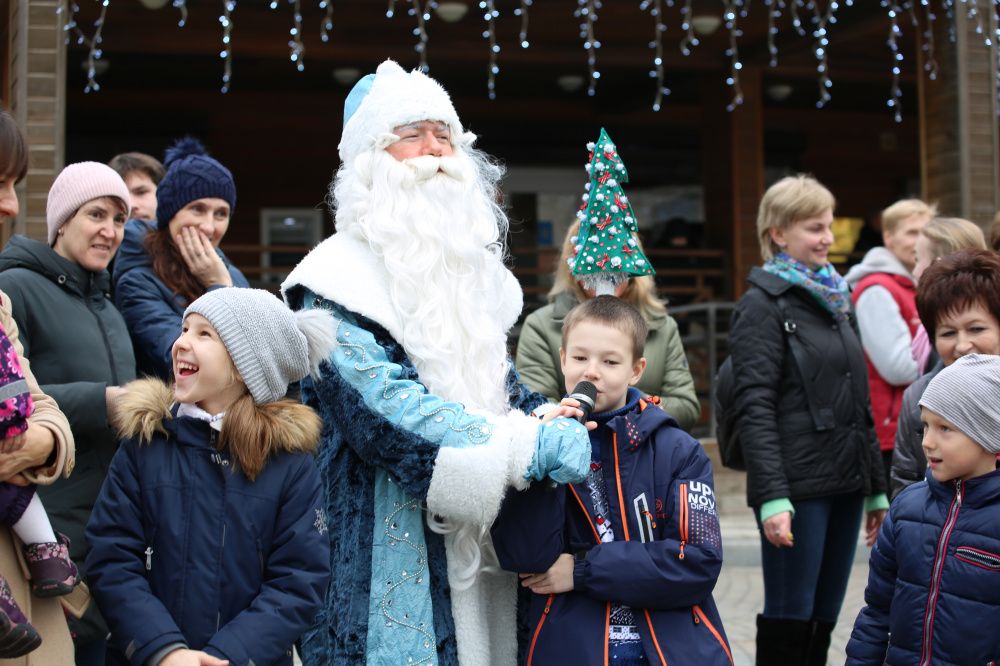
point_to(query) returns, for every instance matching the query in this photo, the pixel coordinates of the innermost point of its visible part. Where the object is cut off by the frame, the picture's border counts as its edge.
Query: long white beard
(439, 232)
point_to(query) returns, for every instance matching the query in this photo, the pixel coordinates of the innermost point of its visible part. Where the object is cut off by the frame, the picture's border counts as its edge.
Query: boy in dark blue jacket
(934, 582)
(621, 566)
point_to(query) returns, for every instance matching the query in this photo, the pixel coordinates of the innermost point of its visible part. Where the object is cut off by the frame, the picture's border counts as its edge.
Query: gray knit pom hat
(270, 345)
(967, 393)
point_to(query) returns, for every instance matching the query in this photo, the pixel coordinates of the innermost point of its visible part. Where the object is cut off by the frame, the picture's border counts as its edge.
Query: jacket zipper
(217, 458)
(149, 558)
(939, 557)
(104, 337)
(699, 616)
(538, 629)
(624, 515)
(683, 519)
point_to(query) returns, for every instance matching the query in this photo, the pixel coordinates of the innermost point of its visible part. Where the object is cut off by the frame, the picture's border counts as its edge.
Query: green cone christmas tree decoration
(607, 249)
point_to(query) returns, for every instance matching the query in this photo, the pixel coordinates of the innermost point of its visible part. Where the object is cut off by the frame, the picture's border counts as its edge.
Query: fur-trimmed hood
(148, 403)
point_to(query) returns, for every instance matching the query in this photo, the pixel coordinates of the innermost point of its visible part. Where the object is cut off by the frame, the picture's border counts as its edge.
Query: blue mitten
(562, 452)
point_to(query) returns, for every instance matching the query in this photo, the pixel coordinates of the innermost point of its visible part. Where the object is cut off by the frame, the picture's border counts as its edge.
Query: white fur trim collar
(344, 269)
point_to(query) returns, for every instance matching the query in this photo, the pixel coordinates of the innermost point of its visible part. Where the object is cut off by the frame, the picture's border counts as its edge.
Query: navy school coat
(185, 549)
(664, 561)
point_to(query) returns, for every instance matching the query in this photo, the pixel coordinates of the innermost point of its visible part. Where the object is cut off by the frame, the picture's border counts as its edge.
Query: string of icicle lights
(813, 20)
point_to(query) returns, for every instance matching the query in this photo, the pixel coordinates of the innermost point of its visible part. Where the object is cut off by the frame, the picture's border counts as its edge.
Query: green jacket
(667, 374)
(77, 344)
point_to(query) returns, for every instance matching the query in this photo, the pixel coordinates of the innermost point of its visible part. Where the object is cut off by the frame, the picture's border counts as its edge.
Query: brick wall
(37, 94)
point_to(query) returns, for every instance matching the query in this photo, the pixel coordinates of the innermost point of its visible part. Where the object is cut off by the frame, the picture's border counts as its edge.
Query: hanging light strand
(973, 15)
(587, 11)
(655, 9)
(793, 11)
(773, 14)
(949, 12)
(70, 26)
(326, 25)
(522, 12)
(821, 21)
(930, 61)
(690, 40)
(298, 49)
(729, 15)
(226, 20)
(490, 15)
(895, 101)
(912, 9)
(93, 44)
(422, 15)
(181, 6)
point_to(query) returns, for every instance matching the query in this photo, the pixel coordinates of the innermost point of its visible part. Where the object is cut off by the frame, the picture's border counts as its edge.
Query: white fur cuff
(468, 484)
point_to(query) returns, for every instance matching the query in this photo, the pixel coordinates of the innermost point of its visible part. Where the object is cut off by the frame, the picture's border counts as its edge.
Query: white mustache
(426, 167)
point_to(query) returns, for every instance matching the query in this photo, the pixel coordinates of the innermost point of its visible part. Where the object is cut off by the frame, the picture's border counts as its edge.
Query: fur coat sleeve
(458, 461)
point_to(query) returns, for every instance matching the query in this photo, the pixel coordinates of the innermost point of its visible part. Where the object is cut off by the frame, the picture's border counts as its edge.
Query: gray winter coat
(78, 345)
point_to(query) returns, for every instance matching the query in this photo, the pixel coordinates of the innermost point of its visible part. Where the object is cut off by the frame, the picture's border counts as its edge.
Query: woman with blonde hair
(667, 374)
(944, 235)
(939, 237)
(804, 421)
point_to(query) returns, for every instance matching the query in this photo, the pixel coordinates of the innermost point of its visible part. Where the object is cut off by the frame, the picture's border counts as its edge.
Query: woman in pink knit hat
(79, 346)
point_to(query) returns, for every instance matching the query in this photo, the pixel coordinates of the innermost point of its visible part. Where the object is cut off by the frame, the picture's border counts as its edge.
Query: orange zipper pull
(694, 616)
(680, 555)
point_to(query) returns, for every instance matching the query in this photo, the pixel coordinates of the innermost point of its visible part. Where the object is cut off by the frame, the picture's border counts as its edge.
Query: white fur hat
(390, 98)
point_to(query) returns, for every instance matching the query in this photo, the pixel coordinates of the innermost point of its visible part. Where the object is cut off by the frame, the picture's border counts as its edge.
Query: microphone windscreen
(586, 394)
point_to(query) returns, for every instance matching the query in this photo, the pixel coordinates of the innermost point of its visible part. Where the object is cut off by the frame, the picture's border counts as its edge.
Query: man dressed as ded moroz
(426, 423)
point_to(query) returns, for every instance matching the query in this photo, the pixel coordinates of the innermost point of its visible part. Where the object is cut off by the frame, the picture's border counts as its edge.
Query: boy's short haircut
(610, 311)
(127, 163)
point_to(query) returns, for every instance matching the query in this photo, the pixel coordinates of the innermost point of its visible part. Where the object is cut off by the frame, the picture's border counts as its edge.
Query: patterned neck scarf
(825, 285)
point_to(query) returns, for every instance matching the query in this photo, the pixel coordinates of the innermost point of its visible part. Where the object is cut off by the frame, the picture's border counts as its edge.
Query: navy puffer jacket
(933, 593)
(186, 549)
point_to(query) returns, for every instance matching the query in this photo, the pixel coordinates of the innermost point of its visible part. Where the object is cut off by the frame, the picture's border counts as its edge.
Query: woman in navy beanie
(164, 266)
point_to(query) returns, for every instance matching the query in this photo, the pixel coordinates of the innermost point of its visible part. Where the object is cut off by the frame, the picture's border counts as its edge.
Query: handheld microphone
(586, 394)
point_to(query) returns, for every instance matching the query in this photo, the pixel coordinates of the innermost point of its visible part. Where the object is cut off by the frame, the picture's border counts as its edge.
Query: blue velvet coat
(360, 442)
(933, 593)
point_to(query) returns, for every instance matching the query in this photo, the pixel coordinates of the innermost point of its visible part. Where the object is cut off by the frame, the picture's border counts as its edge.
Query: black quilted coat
(801, 389)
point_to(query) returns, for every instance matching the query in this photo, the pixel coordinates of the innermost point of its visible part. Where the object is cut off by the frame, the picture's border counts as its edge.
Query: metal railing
(704, 331)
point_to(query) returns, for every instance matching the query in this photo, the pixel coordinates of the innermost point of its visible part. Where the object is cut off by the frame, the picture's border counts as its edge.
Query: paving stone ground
(740, 590)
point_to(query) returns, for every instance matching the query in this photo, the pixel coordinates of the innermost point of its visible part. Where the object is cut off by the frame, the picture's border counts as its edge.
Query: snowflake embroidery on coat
(320, 523)
(476, 432)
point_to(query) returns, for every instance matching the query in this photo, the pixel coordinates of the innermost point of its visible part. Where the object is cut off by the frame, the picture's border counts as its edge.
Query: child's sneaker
(17, 636)
(53, 574)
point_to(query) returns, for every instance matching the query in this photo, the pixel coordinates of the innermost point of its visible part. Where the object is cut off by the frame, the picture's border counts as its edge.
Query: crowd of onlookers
(869, 401)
